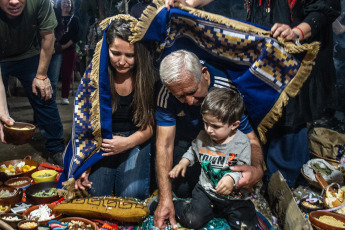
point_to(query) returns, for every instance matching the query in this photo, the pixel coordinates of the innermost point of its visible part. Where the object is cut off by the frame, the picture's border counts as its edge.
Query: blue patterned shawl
(262, 68)
(92, 118)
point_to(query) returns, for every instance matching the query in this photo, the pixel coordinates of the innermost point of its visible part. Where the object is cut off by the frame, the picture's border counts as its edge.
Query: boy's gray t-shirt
(203, 148)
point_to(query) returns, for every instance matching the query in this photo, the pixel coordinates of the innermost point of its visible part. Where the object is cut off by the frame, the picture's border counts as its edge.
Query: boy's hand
(180, 167)
(225, 185)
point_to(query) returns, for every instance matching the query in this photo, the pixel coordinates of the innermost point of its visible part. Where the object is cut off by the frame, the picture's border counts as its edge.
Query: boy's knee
(192, 221)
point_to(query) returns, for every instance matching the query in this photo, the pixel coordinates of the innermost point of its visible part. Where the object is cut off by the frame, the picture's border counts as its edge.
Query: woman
(68, 41)
(127, 83)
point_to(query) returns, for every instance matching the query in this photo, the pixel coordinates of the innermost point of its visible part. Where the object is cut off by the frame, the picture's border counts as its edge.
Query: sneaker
(57, 158)
(64, 101)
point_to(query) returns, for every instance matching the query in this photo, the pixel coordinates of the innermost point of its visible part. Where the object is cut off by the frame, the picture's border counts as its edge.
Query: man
(185, 84)
(22, 57)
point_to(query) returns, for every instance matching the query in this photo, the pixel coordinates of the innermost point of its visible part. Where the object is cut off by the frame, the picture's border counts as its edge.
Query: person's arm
(68, 44)
(164, 161)
(190, 3)
(251, 174)
(4, 115)
(41, 82)
(119, 144)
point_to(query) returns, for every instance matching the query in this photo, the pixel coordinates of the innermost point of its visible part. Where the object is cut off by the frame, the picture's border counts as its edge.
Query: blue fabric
(256, 63)
(287, 151)
(45, 112)
(127, 173)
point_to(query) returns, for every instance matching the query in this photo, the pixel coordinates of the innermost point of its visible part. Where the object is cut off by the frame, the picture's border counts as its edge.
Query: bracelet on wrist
(41, 78)
(296, 27)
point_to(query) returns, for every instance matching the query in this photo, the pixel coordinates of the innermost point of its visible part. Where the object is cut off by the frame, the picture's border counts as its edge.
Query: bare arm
(190, 3)
(251, 174)
(68, 44)
(47, 48)
(4, 115)
(164, 161)
(119, 144)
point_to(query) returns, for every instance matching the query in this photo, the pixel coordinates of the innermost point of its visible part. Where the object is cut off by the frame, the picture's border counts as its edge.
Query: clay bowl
(41, 175)
(12, 223)
(27, 221)
(26, 182)
(86, 221)
(44, 186)
(19, 133)
(27, 161)
(27, 212)
(12, 200)
(317, 224)
(5, 203)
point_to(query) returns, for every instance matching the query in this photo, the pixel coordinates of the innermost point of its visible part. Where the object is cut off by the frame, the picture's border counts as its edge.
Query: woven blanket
(263, 68)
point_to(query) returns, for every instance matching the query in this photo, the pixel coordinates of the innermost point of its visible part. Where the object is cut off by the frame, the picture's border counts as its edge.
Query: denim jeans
(183, 186)
(46, 112)
(54, 70)
(203, 208)
(125, 175)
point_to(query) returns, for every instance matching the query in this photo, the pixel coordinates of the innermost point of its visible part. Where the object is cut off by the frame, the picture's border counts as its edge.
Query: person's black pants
(203, 208)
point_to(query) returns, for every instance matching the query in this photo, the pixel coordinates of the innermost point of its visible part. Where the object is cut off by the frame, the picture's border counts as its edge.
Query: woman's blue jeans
(46, 112)
(125, 175)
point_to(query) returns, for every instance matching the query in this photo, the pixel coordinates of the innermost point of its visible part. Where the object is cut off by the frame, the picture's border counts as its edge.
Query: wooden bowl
(317, 224)
(19, 133)
(313, 183)
(27, 161)
(40, 176)
(27, 212)
(26, 182)
(309, 208)
(12, 200)
(44, 186)
(12, 223)
(86, 221)
(26, 221)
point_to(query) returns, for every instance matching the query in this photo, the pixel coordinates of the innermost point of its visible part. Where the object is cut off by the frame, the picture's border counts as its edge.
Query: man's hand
(44, 87)
(83, 180)
(4, 119)
(250, 175)
(165, 211)
(225, 185)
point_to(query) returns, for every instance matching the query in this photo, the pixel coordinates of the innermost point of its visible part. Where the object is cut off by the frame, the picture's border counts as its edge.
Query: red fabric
(292, 3)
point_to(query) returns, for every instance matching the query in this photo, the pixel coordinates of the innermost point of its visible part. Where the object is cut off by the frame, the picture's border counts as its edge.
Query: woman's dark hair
(58, 6)
(143, 102)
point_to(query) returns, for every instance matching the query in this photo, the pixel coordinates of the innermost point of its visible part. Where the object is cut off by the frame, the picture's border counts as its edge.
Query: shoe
(64, 101)
(57, 158)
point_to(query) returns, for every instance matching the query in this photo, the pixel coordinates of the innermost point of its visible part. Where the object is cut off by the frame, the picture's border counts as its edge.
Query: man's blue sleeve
(245, 126)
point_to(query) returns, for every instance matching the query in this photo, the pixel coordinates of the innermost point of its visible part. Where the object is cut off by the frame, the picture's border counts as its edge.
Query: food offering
(41, 213)
(19, 133)
(5, 208)
(44, 175)
(327, 220)
(10, 195)
(11, 219)
(42, 193)
(78, 223)
(334, 197)
(17, 168)
(19, 182)
(27, 225)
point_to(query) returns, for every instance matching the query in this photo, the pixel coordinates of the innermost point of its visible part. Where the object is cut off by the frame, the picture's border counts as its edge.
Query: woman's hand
(116, 145)
(83, 180)
(284, 31)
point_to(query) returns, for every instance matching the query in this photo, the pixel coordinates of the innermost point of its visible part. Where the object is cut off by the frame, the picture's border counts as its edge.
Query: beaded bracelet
(41, 78)
(300, 31)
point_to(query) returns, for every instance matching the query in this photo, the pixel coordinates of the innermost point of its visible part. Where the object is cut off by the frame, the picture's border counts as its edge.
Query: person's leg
(133, 173)
(238, 213)
(183, 186)
(287, 151)
(54, 70)
(102, 177)
(196, 213)
(46, 112)
(67, 68)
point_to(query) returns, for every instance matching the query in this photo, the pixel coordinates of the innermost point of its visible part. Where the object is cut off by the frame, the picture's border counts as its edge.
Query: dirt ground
(21, 110)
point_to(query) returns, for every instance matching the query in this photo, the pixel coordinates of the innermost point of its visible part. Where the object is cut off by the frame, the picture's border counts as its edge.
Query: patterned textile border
(264, 69)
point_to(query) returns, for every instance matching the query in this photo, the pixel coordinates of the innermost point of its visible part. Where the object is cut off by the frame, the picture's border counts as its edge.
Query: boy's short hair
(224, 103)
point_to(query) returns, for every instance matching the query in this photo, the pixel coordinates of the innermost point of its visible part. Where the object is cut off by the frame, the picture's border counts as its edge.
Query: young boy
(217, 147)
